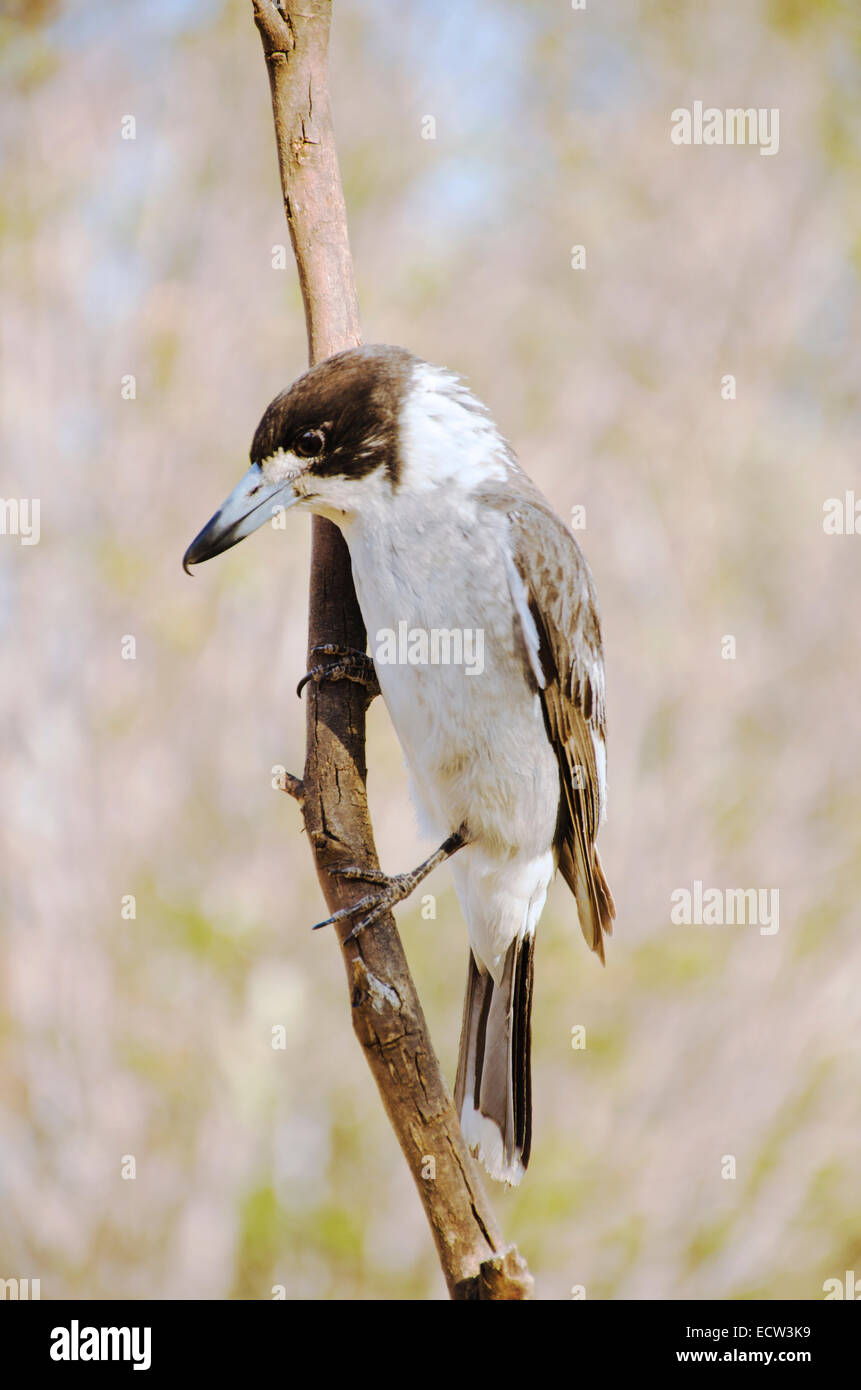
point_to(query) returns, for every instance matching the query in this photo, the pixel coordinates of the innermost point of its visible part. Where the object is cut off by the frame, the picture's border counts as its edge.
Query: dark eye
(310, 443)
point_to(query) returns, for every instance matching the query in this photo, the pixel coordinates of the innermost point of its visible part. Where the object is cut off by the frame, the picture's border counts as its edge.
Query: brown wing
(555, 601)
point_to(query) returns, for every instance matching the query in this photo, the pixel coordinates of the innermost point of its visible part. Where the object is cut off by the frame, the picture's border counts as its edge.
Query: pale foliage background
(153, 776)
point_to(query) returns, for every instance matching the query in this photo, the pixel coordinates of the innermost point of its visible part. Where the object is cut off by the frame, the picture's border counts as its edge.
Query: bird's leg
(391, 890)
(349, 665)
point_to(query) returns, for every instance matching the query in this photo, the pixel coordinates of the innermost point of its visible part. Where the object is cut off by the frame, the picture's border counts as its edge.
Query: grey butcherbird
(448, 537)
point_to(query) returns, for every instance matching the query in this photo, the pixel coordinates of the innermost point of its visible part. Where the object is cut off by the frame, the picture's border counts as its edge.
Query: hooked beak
(247, 507)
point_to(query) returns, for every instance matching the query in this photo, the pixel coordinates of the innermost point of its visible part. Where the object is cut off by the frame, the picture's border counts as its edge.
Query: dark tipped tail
(493, 1092)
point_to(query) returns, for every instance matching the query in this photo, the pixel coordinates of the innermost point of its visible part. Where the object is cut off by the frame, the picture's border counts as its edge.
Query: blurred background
(150, 1037)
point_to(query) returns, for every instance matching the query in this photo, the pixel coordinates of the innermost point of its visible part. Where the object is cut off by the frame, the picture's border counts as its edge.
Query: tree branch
(387, 1015)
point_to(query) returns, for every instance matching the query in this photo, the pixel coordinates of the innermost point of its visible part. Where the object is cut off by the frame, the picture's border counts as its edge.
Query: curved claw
(370, 901)
(351, 666)
(392, 890)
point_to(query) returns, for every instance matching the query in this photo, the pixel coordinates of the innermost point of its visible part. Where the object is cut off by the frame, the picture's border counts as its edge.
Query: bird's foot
(349, 665)
(373, 906)
(390, 891)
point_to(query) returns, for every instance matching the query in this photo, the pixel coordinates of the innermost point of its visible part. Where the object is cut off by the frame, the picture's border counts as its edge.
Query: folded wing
(557, 611)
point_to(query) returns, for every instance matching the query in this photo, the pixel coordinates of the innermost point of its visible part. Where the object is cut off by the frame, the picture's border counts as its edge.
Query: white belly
(475, 744)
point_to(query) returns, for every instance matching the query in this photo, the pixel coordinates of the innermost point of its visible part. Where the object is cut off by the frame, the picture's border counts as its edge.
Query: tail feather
(493, 1091)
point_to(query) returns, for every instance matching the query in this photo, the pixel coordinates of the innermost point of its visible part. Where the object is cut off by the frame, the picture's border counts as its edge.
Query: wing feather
(554, 598)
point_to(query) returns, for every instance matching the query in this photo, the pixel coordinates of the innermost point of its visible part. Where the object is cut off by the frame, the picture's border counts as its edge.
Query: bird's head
(352, 434)
(315, 445)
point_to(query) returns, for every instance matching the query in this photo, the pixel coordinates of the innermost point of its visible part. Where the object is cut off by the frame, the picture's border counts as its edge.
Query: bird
(506, 755)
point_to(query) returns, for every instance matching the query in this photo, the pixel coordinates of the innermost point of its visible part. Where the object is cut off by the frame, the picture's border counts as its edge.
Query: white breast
(475, 744)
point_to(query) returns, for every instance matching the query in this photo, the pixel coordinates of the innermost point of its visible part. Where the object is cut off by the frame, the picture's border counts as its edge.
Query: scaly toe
(368, 875)
(372, 918)
(374, 905)
(365, 905)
